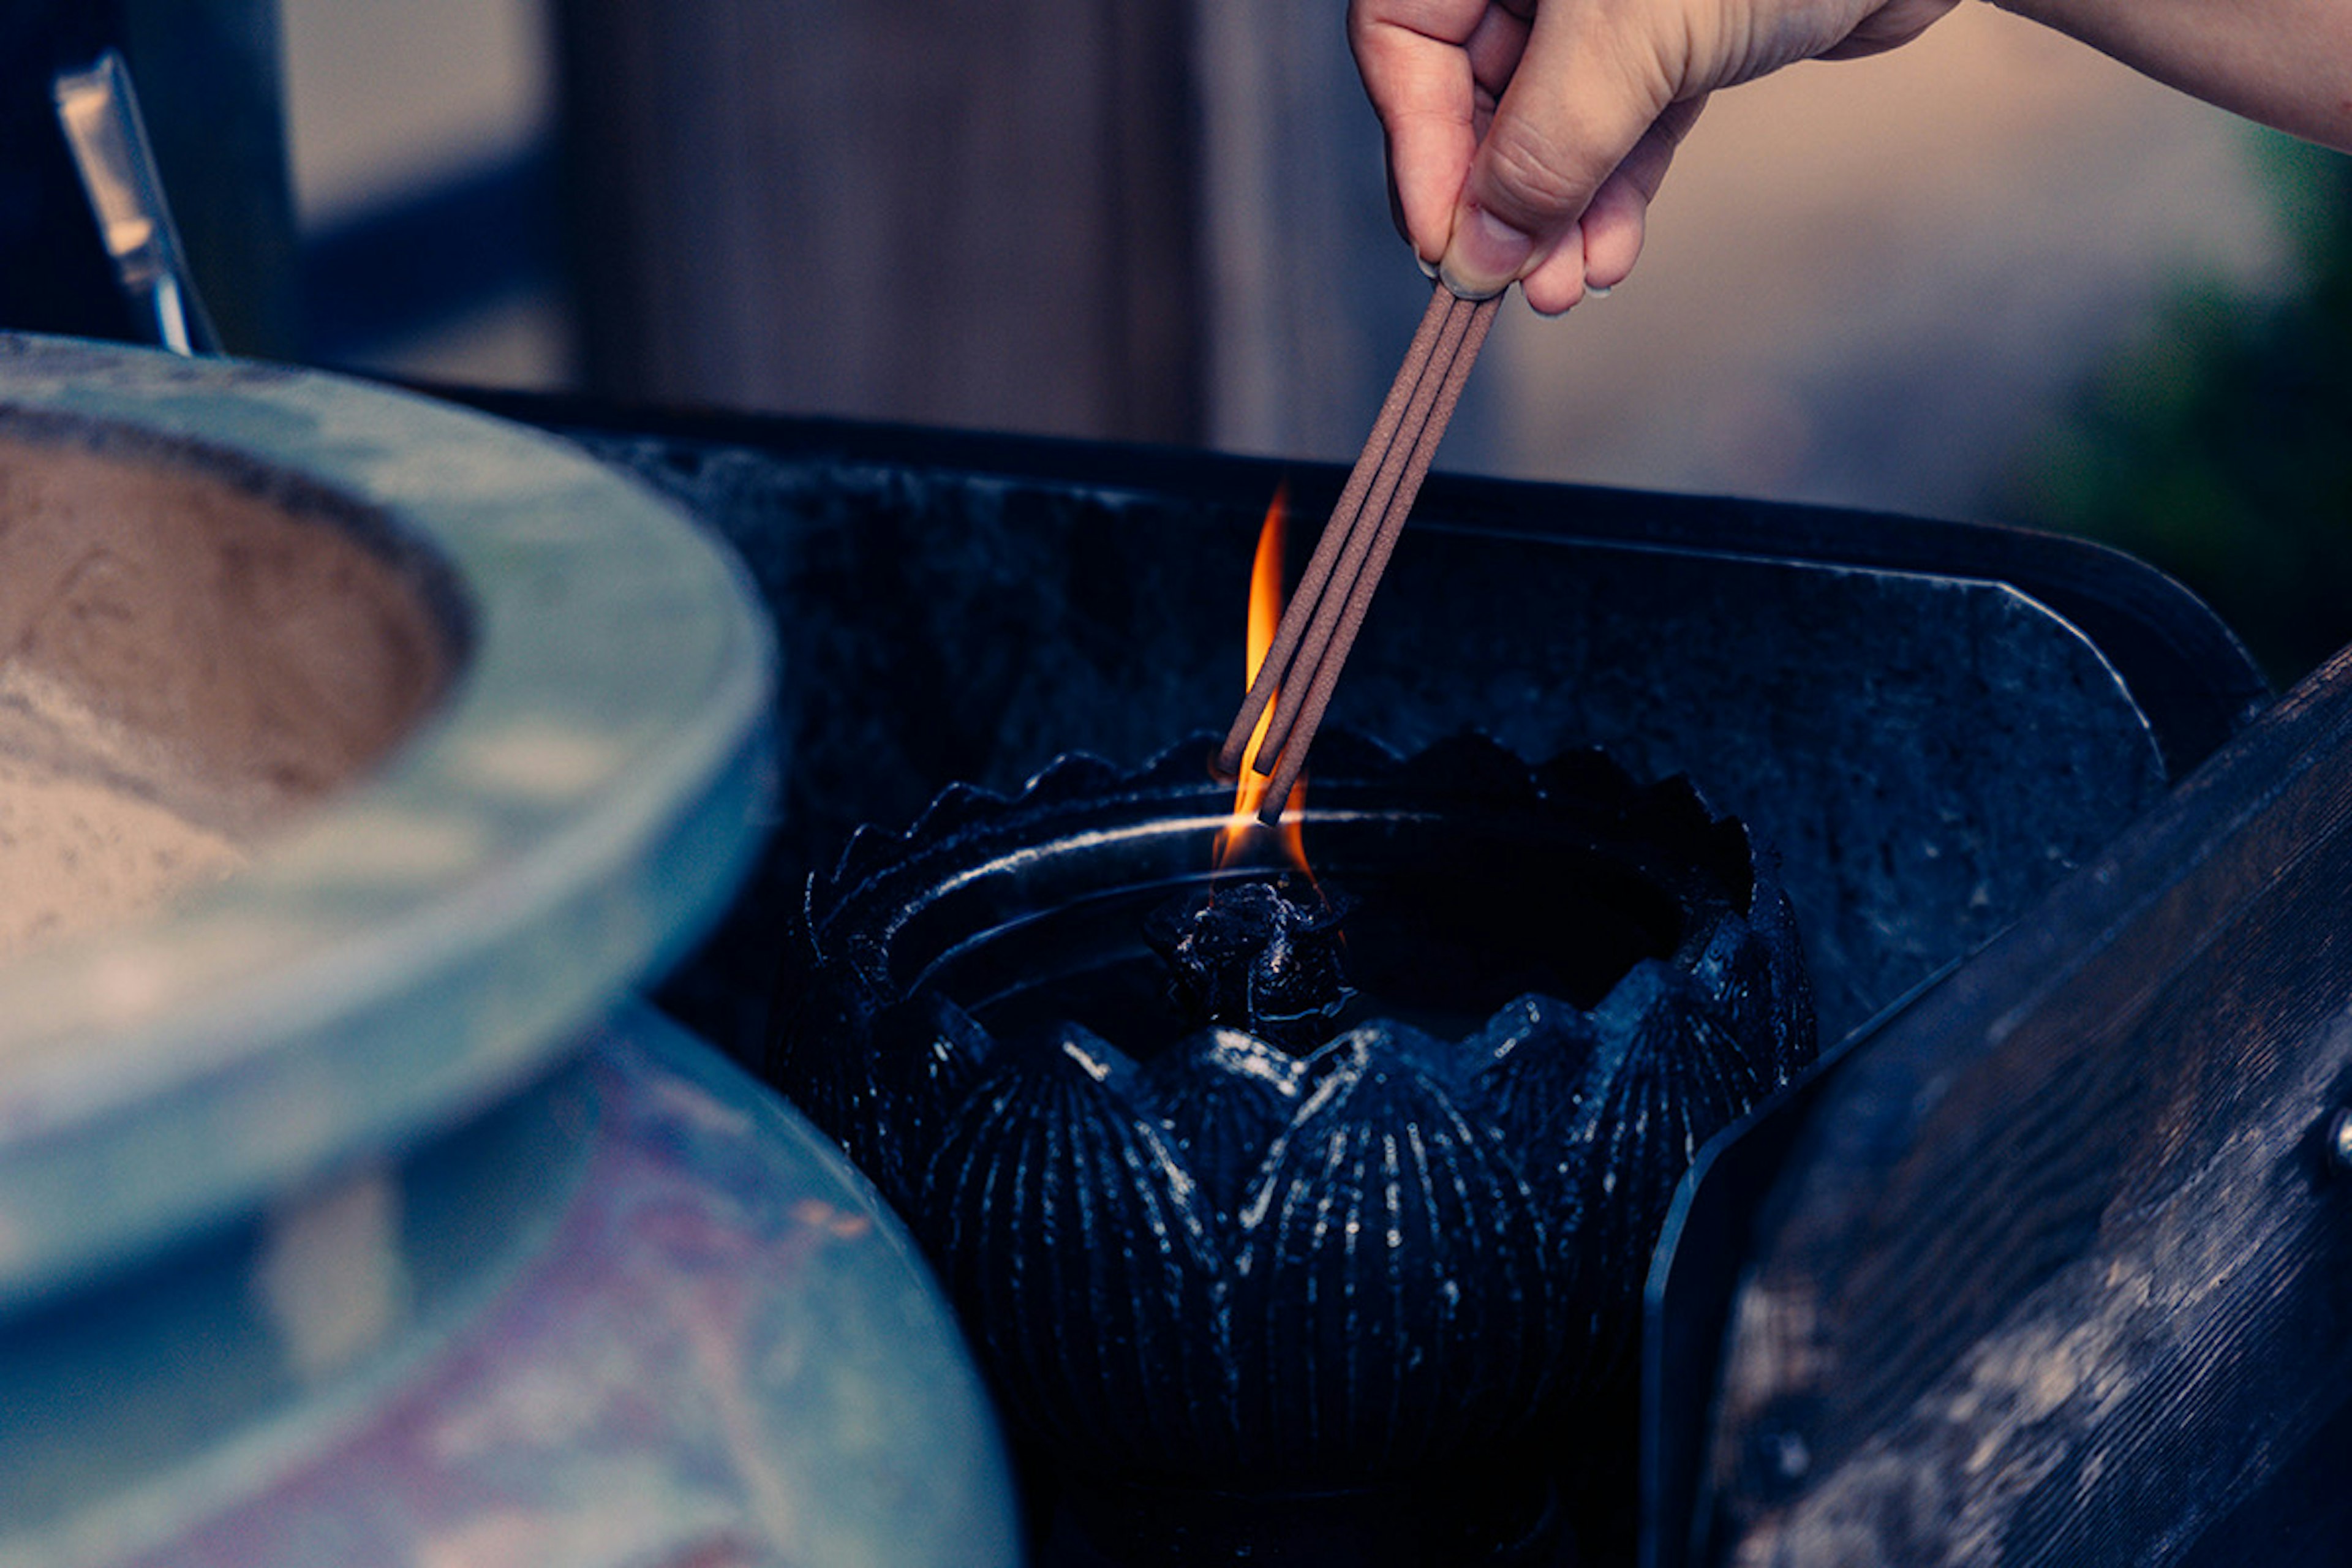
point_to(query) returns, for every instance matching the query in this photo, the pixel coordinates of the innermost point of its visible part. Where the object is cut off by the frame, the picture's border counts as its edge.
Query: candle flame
(1239, 837)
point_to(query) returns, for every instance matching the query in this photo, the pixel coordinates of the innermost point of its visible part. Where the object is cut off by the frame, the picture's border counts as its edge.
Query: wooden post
(975, 215)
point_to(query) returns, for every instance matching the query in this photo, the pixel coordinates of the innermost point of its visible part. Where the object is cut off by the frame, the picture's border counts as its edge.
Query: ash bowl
(1402, 1258)
(365, 641)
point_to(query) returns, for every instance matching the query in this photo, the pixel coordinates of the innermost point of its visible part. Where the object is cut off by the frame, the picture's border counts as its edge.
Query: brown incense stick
(1336, 532)
(1319, 628)
(1332, 601)
(1328, 656)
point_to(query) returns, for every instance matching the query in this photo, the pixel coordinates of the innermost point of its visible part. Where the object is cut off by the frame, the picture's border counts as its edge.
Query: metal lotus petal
(1604, 1112)
(1673, 810)
(1224, 1097)
(1755, 971)
(1532, 1080)
(1388, 1307)
(1073, 776)
(1668, 1076)
(1469, 767)
(1588, 775)
(881, 1080)
(1076, 1245)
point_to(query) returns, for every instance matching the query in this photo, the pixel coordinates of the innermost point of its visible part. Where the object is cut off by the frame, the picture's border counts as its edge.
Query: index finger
(1594, 77)
(1415, 61)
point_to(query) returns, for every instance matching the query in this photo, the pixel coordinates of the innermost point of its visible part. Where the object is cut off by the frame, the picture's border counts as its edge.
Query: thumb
(1584, 93)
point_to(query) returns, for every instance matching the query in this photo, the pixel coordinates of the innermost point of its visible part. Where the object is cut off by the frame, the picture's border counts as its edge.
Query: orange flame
(1235, 839)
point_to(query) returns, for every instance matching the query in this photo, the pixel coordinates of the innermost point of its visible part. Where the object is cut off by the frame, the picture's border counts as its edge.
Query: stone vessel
(350, 1211)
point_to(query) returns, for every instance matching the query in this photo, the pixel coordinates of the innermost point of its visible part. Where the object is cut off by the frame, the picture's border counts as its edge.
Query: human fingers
(1617, 221)
(1416, 62)
(1494, 49)
(1609, 237)
(1558, 284)
(1594, 77)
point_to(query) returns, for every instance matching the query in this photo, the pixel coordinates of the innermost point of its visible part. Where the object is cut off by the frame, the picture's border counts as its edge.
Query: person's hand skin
(1526, 140)
(2287, 63)
(1527, 137)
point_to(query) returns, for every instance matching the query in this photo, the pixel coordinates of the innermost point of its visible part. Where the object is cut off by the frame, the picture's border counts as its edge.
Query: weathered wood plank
(2055, 1272)
(973, 215)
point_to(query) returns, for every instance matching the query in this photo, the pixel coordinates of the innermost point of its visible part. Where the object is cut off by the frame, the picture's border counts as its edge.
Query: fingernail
(1595, 291)
(1485, 256)
(1428, 268)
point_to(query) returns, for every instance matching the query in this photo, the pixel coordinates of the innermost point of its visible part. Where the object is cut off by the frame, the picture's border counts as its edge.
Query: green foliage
(2220, 449)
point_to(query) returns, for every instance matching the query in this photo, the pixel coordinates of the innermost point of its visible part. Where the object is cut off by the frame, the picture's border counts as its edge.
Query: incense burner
(1393, 1260)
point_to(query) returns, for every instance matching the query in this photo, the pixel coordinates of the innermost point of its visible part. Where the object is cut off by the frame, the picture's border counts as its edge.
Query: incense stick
(1332, 602)
(1319, 628)
(1323, 674)
(1330, 544)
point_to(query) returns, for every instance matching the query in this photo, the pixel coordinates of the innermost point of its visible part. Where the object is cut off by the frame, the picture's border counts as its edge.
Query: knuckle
(1529, 179)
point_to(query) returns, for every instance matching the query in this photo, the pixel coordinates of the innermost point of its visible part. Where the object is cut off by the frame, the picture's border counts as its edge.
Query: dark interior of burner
(1447, 921)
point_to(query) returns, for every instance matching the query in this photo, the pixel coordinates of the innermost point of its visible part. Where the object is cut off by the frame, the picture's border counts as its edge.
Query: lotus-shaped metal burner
(1399, 1243)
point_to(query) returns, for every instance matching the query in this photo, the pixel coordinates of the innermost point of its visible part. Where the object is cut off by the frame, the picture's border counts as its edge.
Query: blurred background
(1990, 275)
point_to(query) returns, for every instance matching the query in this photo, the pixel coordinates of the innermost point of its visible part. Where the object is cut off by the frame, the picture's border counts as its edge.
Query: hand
(1526, 137)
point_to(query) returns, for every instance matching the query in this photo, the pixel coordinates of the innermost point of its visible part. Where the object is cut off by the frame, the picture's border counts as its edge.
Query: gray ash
(1264, 956)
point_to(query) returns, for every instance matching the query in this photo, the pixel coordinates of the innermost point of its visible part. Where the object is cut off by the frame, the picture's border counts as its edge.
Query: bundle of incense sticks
(1320, 625)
